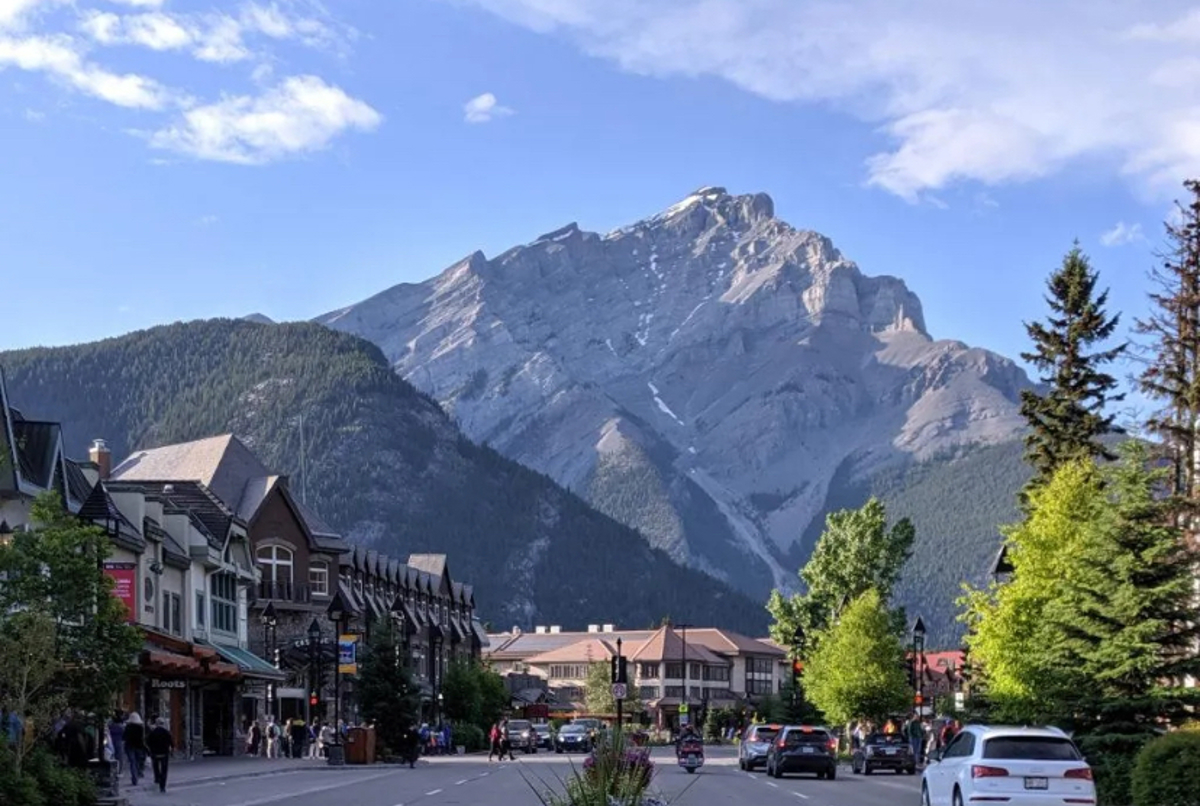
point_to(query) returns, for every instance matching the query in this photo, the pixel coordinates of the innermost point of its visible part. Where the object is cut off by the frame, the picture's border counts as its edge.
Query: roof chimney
(539, 630)
(610, 627)
(101, 457)
(555, 629)
(593, 628)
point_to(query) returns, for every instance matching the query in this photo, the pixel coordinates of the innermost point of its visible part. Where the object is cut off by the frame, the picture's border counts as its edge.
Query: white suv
(1020, 766)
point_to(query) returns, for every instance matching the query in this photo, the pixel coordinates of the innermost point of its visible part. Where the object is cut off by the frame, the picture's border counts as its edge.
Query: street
(472, 780)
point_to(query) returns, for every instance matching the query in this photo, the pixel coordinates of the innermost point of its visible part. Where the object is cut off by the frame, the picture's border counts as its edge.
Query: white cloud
(59, 57)
(139, 3)
(300, 115)
(484, 108)
(984, 92)
(206, 220)
(1121, 234)
(34, 116)
(15, 13)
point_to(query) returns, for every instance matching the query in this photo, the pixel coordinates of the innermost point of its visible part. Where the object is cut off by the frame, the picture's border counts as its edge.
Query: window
(1030, 748)
(148, 594)
(675, 671)
(276, 562)
(318, 578)
(648, 693)
(201, 608)
(760, 666)
(674, 691)
(695, 671)
(648, 670)
(962, 746)
(755, 686)
(222, 588)
(568, 671)
(173, 613)
(718, 673)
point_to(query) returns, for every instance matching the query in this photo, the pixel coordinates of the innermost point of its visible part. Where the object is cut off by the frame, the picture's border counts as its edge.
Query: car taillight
(780, 744)
(833, 743)
(980, 771)
(1084, 773)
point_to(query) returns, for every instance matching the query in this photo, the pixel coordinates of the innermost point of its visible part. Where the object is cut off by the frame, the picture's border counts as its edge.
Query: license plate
(890, 751)
(1037, 783)
(691, 759)
(806, 749)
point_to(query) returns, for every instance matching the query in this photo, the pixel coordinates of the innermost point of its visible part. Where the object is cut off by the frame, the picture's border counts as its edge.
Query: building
(705, 667)
(303, 565)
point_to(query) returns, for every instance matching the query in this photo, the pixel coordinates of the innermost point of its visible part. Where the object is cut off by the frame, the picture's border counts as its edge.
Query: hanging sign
(124, 577)
(348, 654)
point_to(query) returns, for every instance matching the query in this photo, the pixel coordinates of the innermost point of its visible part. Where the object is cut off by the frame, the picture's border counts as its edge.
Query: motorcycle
(690, 754)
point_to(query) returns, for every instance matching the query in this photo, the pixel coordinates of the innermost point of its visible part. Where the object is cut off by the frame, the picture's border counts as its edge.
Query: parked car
(520, 735)
(803, 748)
(545, 735)
(884, 751)
(756, 741)
(1023, 766)
(573, 738)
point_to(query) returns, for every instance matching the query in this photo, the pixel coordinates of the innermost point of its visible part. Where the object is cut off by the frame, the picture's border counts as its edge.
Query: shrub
(1111, 751)
(1167, 771)
(469, 736)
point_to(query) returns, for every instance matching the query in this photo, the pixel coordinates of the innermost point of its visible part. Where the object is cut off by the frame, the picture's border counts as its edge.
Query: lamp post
(314, 655)
(684, 706)
(918, 645)
(398, 614)
(797, 663)
(270, 624)
(337, 614)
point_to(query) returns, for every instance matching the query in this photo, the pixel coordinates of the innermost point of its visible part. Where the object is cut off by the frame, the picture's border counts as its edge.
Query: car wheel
(854, 766)
(778, 772)
(831, 774)
(924, 795)
(957, 797)
(911, 771)
(866, 769)
(742, 764)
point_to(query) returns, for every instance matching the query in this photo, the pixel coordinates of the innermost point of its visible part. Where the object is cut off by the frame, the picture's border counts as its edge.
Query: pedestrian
(272, 738)
(916, 738)
(494, 740)
(160, 743)
(326, 739)
(298, 731)
(314, 733)
(135, 746)
(116, 735)
(253, 739)
(505, 742)
(447, 735)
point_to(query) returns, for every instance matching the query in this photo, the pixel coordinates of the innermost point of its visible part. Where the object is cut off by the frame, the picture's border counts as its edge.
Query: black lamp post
(918, 644)
(270, 624)
(337, 614)
(684, 709)
(797, 662)
(398, 615)
(314, 659)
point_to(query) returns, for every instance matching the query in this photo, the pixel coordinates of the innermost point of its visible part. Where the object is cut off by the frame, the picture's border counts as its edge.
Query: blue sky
(170, 159)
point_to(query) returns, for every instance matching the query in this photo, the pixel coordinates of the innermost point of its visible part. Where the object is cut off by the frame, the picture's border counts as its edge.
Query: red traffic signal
(918, 700)
(312, 699)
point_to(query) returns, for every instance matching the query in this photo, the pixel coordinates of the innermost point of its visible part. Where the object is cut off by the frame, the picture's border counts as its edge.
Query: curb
(212, 779)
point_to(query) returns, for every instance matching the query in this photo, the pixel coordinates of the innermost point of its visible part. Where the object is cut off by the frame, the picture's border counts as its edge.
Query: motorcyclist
(688, 734)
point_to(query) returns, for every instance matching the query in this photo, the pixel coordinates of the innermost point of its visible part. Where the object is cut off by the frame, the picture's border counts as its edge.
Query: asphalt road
(472, 780)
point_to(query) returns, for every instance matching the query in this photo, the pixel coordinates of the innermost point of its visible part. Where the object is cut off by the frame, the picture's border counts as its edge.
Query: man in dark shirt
(160, 744)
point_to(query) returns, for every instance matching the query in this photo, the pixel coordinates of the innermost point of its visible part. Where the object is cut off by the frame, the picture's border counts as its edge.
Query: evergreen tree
(1068, 421)
(386, 692)
(1172, 374)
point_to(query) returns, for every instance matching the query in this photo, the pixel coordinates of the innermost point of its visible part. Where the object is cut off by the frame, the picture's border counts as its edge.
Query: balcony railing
(293, 592)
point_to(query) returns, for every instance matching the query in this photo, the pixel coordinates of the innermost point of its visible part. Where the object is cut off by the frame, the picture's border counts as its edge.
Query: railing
(294, 592)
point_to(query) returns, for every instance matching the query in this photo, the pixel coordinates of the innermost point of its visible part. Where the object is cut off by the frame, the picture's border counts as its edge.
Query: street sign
(683, 708)
(619, 691)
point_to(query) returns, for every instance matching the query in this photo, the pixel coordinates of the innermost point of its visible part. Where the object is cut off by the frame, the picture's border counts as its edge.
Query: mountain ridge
(709, 358)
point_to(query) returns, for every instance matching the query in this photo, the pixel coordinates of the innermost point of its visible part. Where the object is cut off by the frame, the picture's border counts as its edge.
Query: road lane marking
(434, 792)
(463, 781)
(290, 795)
(772, 783)
(800, 795)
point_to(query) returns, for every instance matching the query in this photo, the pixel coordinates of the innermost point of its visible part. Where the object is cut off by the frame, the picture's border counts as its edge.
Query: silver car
(756, 741)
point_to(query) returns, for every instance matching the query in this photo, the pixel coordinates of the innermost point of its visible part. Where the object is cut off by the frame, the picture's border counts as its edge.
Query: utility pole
(620, 679)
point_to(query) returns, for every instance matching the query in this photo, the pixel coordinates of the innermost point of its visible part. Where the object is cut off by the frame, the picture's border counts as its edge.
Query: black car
(884, 751)
(803, 748)
(521, 735)
(573, 738)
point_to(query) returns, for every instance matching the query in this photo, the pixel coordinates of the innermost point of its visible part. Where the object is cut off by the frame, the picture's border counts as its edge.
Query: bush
(1167, 771)
(1111, 751)
(43, 782)
(469, 736)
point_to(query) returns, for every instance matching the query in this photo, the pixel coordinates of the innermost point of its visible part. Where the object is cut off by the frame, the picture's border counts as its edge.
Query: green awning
(251, 665)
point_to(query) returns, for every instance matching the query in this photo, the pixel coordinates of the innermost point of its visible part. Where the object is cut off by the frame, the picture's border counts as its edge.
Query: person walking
(314, 739)
(299, 732)
(273, 735)
(916, 738)
(116, 735)
(494, 739)
(160, 743)
(253, 739)
(135, 746)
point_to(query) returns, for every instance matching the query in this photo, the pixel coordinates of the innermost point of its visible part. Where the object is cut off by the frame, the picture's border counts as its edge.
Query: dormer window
(318, 578)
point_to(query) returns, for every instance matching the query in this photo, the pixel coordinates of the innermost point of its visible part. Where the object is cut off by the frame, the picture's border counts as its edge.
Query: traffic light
(918, 700)
(910, 670)
(797, 671)
(314, 700)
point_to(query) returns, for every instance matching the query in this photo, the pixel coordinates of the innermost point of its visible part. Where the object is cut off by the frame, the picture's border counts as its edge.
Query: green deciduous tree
(857, 552)
(386, 692)
(1068, 421)
(597, 693)
(29, 667)
(55, 572)
(856, 672)
(474, 694)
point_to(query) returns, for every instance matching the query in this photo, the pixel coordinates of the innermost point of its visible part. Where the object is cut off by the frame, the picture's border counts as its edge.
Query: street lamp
(684, 706)
(314, 658)
(918, 645)
(337, 614)
(270, 624)
(440, 702)
(797, 662)
(398, 613)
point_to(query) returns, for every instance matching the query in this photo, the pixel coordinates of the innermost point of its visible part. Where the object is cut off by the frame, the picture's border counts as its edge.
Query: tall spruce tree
(1172, 373)
(1069, 421)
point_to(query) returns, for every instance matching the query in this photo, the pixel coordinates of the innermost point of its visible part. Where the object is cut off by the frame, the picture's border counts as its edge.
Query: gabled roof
(254, 492)
(667, 645)
(726, 642)
(38, 449)
(433, 564)
(589, 650)
(100, 508)
(208, 513)
(78, 486)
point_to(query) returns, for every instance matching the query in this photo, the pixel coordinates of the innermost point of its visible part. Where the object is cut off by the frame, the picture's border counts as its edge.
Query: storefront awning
(248, 663)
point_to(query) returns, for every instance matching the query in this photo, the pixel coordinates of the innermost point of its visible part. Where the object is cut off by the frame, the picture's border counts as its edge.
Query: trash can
(356, 746)
(369, 754)
(337, 755)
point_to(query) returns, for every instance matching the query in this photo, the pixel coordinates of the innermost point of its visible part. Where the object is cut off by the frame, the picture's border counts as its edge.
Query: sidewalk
(222, 768)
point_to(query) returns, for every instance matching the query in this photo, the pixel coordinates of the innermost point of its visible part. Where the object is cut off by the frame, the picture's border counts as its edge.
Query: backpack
(273, 731)
(495, 735)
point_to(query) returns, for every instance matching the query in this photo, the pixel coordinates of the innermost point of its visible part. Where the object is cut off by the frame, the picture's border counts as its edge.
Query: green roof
(250, 664)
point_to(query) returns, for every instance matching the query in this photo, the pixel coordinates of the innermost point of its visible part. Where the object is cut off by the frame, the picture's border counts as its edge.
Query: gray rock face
(700, 375)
